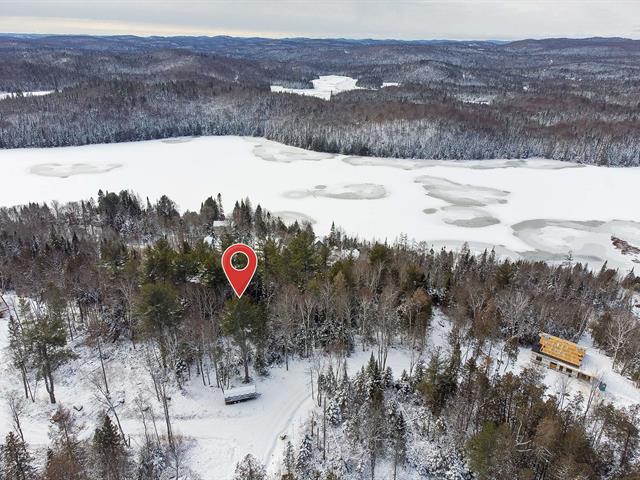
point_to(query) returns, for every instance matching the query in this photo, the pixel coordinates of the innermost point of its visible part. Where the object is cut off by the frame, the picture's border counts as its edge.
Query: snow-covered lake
(534, 208)
(326, 85)
(323, 87)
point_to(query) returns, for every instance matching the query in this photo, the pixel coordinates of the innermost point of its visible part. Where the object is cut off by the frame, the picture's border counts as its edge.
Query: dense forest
(122, 270)
(574, 100)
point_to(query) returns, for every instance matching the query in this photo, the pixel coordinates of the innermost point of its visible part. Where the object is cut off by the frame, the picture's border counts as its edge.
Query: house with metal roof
(562, 356)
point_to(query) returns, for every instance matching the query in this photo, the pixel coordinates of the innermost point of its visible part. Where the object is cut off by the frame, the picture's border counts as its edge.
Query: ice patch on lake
(353, 191)
(277, 152)
(416, 164)
(67, 170)
(461, 195)
(588, 241)
(468, 217)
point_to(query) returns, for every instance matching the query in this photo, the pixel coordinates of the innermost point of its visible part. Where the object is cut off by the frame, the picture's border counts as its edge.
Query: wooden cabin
(240, 394)
(562, 356)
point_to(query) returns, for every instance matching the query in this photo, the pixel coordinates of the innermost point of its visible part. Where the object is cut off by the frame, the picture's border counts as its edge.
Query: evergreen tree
(250, 469)
(15, 460)
(289, 459)
(46, 337)
(398, 438)
(110, 450)
(151, 461)
(387, 378)
(373, 377)
(305, 453)
(159, 309)
(19, 352)
(492, 453)
(160, 262)
(244, 321)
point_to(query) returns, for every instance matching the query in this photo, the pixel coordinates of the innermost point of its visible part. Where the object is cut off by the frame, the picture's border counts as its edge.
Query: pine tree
(19, 352)
(373, 377)
(244, 321)
(398, 438)
(387, 377)
(289, 458)
(47, 337)
(250, 469)
(334, 414)
(15, 460)
(151, 461)
(110, 451)
(304, 454)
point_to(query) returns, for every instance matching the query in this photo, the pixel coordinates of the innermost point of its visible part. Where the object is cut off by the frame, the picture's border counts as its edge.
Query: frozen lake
(535, 208)
(323, 87)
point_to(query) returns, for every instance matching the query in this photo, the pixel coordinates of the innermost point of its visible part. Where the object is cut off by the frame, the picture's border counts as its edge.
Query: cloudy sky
(405, 19)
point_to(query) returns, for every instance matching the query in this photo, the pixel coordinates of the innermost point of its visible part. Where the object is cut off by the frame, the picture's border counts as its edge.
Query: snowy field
(39, 93)
(537, 208)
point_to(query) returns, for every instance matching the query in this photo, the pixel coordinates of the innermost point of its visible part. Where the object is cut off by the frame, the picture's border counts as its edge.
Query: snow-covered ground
(535, 208)
(619, 390)
(323, 87)
(223, 434)
(326, 85)
(38, 93)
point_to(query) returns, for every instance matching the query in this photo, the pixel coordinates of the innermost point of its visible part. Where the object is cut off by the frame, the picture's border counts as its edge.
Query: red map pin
(239, 278)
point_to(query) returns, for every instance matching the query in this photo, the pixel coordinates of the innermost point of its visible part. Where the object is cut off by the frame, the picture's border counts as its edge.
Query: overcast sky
(402, 19)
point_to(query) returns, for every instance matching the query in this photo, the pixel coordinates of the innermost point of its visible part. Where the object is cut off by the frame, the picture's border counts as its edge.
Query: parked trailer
(240, 394)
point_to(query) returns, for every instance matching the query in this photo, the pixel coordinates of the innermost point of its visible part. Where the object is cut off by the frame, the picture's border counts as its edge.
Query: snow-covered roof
(562, 349)
(244, 390)
(239, 394)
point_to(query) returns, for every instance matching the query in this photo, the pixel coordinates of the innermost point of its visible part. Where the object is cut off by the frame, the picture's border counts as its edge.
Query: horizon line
(301, 37)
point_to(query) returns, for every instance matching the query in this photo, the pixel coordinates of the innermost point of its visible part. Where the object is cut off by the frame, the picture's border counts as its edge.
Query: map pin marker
(239, 278)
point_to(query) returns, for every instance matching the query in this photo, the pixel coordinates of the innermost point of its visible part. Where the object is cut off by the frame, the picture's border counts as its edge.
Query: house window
(569, 371)
(560, 368)
(538, 358)
(553, 365)
(582, 376)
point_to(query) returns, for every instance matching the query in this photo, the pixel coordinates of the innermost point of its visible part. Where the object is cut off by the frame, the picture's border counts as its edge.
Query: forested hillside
(571, 100)
(120, 271)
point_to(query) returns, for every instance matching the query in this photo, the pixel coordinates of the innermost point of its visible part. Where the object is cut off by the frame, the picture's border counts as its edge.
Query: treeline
(573, 100)
(123, 269)
(413, 121)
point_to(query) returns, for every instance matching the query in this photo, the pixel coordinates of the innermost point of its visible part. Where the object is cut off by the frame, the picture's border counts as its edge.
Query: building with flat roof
(240, 394)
